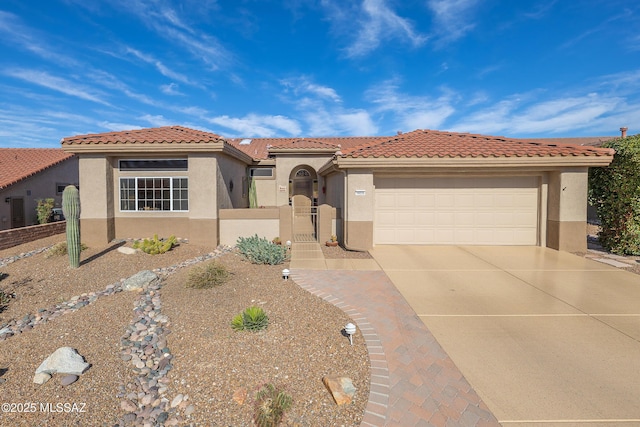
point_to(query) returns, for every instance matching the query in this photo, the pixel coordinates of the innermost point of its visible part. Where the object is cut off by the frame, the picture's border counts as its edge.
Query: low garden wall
(18, 236)
(236, 223)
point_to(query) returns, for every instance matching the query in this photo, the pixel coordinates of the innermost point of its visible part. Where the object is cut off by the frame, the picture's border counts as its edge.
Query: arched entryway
(303, 181)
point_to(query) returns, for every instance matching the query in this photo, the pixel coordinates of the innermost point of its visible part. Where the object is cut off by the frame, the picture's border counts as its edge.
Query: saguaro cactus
(71, 210)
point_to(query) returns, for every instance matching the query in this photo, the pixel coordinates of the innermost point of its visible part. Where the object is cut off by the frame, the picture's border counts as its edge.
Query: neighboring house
(29, 174)
(421, 187)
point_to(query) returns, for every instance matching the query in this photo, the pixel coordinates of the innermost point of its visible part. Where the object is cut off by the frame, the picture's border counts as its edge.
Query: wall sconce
(7, 199)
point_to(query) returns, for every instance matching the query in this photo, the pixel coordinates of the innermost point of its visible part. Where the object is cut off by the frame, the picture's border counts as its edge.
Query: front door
(17, 212)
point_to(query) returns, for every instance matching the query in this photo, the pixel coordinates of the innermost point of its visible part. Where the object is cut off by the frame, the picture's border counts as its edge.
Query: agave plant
(252, 319)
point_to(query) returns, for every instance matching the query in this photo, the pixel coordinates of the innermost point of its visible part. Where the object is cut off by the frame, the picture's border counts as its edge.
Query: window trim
(135, 191)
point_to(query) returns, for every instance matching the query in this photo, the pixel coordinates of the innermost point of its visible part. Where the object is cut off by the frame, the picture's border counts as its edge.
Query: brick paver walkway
(413, 380)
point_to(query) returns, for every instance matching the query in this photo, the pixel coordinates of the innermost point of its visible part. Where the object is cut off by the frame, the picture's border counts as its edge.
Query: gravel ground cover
(213, 371)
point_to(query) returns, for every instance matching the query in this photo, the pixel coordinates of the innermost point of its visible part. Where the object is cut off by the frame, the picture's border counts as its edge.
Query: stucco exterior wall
(96, 200)
(567, 210)
(40, 186)
(285, 163)
(231, 174)
(235, 223)
(358, 233)
(266, 189)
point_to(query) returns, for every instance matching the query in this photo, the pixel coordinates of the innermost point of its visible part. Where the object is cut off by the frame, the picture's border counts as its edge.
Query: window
(261, 172)
(154, 194)
(153, 164)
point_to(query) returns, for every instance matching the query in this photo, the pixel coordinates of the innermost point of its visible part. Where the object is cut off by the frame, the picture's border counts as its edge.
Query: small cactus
(71, 210)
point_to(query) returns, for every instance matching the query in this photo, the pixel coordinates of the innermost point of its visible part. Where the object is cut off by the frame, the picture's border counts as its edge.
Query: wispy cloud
(254, 125)
(117, 127)
(375, 22)
(170, 89)
(411, 111)
(452, 19)
(13, 31)
(346, 122)
(514, 117)
(163, 69)
(169, 24)
(157, 120)
(304, 85)
(58, 84)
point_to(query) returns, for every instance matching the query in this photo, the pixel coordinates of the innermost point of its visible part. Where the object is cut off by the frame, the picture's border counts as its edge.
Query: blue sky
(264, 68)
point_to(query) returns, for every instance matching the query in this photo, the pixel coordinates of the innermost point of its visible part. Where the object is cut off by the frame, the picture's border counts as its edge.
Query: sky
(260, 68)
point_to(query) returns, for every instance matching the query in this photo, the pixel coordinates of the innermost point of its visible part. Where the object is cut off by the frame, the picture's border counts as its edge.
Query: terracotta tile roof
(258, 148)
(166, 134)
(430, 143)
(593, 141)
(17, 164)
(306, 144)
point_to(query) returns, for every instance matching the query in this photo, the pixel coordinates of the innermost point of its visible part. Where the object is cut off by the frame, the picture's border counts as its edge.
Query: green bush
(271, 404)
(61, 249)
(44, 210)
(261, 251)
(251, 319)
(155, 246)
(208, 276)
(615, 193)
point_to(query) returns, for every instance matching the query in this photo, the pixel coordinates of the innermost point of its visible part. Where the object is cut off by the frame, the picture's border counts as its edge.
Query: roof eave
(472, 162)
(159, 148)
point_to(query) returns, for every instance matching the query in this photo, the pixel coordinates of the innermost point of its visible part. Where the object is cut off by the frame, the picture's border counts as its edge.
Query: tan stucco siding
(567, 209)
(145, 227)
(266, 190)
(286, 163)
(40, 186)
(231, 174)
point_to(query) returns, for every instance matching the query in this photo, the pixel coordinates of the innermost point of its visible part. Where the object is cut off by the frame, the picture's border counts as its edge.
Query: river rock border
(144, 345)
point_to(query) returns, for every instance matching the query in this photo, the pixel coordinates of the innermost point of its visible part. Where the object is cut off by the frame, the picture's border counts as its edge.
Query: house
(29, 174)
(420, 187)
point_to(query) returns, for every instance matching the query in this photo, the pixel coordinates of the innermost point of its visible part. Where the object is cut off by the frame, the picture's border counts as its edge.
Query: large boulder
(64, 360)
(139, 280)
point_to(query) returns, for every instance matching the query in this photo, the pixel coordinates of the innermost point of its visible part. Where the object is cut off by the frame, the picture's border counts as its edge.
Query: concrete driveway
(546, 338)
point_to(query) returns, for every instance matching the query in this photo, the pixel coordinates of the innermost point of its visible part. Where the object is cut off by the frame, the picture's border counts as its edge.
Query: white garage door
(470, 211)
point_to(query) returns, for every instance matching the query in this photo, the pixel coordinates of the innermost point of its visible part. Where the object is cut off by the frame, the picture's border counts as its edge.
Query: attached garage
(456, 210)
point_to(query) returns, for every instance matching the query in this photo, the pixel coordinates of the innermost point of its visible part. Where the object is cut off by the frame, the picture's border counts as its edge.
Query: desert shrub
(251, 319)
(615, 193)
(259, 250)
(61, 249)
(208, 276)
(4, 300)
(44, 210)
(155, 245)
(271, 405)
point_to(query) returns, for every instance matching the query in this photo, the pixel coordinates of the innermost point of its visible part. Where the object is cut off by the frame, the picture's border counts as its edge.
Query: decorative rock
(139, 280)
(64, 360)
(41, 378)
(240, 395)
(126, 250)
(176, 400)
(341, 388)
(68, 380)
(189, 410)
(128, 406)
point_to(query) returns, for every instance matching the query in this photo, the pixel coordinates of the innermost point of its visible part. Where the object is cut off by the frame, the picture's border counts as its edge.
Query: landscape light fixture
(350, 329)
(285, 274)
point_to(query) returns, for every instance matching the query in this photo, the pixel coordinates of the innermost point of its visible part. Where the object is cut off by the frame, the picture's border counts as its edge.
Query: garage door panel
(484, 210)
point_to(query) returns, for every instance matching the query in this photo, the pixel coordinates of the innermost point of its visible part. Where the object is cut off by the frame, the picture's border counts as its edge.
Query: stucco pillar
(358, 230)
(567, 210)
(286, 223)
(203, 199)
(326, 214)
(97, 225)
